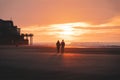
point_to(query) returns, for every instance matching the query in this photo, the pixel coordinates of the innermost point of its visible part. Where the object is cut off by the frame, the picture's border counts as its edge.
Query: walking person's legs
(62, 50)
(58, 49)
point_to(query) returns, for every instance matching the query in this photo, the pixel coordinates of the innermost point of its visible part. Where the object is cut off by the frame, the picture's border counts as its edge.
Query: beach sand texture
(43, 63)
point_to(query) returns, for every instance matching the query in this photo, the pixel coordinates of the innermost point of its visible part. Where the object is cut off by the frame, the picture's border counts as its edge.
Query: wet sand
(43, 63)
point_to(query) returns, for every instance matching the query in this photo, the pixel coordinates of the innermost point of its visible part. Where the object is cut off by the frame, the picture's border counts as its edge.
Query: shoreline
(95, 50)
(43, 63)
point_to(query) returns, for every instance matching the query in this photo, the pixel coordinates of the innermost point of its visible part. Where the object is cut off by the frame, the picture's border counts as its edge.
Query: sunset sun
(67, 31)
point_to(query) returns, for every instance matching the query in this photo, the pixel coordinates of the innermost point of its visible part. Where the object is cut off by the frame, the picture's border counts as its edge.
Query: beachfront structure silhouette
(11, 35)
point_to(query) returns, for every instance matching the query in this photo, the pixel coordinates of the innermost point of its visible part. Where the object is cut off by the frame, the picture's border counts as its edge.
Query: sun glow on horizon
(67, 30)
(54, 32)
(70, 32)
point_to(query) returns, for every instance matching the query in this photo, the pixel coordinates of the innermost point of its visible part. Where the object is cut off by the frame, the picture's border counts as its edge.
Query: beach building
(11, 35)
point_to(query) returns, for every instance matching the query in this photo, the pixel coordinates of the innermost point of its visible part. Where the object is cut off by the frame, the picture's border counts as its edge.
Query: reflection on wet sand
(21, 63)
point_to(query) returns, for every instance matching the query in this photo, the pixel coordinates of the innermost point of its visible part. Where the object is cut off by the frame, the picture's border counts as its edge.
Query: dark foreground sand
(42, 63)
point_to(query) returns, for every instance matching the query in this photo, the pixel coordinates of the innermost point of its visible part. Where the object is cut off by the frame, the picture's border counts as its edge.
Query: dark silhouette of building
(11, 35)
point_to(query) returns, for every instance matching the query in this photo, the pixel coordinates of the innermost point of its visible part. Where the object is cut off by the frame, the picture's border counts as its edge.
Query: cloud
(32, 12)
(100, 37)
(116, 5)
(98, 28)
(104, 16)
(114, 21)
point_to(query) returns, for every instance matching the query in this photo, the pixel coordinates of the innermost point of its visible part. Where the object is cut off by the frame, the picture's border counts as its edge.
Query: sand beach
(43, 63)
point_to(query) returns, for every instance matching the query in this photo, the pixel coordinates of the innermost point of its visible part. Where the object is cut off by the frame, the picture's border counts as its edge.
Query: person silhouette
(58, 46)
(62, 46)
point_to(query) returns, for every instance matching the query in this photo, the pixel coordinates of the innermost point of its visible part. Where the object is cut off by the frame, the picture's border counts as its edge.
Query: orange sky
(72, 20)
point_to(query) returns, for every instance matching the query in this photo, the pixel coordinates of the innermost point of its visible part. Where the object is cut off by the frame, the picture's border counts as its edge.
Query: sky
(71, 20)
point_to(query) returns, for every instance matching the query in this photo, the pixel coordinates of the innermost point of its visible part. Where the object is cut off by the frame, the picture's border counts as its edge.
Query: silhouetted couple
(60, 46)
